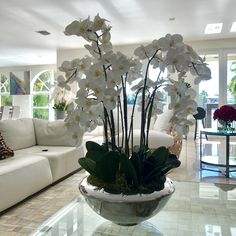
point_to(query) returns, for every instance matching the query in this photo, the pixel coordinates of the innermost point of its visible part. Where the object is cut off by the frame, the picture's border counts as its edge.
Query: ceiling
(133, 21)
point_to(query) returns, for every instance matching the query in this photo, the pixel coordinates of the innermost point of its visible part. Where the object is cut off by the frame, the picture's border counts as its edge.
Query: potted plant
(118, 169)
(225, 115)
(61, 99)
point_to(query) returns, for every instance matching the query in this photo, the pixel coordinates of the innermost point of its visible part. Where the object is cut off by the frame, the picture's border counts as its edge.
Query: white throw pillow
(162, 123)
(136, 117)
(18, 133)
(52, 133)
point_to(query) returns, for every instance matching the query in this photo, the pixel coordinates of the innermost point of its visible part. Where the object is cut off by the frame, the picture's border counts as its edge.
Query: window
(40, 90)
(209, 90)
(6, 98)
(221, 89)
(231, 78)
(152, 73)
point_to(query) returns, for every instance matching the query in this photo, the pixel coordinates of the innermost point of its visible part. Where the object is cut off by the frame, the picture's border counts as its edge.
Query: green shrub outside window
(40, 100)
(6, 100)
(41, 113)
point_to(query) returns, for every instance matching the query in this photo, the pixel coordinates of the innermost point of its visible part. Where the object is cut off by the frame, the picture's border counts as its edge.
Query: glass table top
(194, 209)
(211, 131)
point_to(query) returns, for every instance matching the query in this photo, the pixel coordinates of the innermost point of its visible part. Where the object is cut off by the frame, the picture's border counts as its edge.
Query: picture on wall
(20, 83)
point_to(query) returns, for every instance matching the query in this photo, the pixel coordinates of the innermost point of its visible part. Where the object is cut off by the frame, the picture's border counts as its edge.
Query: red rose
(225, 113)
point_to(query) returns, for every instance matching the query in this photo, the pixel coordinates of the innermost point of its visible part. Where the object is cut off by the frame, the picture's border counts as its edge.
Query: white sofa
(43, 155)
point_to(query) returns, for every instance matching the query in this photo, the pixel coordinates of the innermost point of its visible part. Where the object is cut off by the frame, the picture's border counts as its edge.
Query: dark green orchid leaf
(151, 169)
(88, 165)
(135, 159)
(129, 170)
(107, 166)
(160, 155)
(171, 163)
(95, 151)
(94, 155)
(95, 147)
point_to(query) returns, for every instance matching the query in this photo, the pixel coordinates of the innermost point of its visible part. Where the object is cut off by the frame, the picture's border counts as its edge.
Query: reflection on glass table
(194, 209)
(221, 155)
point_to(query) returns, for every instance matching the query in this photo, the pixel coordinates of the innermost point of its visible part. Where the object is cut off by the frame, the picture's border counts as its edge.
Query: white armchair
(160, 134)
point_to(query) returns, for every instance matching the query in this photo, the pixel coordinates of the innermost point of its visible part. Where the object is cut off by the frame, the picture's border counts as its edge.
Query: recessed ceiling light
(172, 18)
(43, 32)
(213, 28)
(233, 27)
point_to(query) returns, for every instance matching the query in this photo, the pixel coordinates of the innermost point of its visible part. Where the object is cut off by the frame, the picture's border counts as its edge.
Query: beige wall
(213, 45)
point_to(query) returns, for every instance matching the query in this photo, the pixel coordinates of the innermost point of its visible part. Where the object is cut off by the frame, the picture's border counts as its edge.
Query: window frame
(48, 93)
(3, 94)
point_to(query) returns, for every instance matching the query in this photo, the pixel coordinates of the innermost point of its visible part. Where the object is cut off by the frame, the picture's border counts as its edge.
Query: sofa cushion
(22, 176)
(52, 133)
(63, 159)
(18, 133)
(5, 151)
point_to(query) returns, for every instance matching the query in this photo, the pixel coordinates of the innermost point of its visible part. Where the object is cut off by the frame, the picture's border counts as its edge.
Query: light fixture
(171, 18)
(43, 32)
(233, 27)
(213, 28)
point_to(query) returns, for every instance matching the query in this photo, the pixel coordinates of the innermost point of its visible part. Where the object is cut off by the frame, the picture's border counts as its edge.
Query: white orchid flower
(79, 28)
(84, 63)
(110, 102)
(113, 80)
(92, 50)
(110, 98)
(121, 66)
(98, 91)
(175, 60)
(156, 45)
(106, 37)
(145, 52)
(106, 47)
(76, 136)
(98, 23)
(170, 41)
(140, 52)
(86, 103)
(61, 82)
(73, 28)
(96, 72)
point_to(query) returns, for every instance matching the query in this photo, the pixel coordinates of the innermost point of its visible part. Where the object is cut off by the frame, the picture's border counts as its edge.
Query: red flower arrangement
(225, 113)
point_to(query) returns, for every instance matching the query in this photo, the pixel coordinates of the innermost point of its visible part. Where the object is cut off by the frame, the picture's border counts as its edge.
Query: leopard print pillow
(5, 151)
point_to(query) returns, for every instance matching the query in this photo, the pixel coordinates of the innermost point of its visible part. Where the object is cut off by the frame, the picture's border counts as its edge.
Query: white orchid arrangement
(61, 98)
(103, 78)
